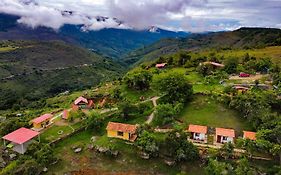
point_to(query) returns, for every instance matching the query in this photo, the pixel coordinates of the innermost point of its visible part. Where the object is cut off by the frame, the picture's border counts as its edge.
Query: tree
(164, 114)
(231, 65)
(147, 142)
(126, 108)
(179, 148)
(174, 86)
(94, 122)
(138, 79)
(247, 144)
(227, 150)
(243, 167)
(215, 167)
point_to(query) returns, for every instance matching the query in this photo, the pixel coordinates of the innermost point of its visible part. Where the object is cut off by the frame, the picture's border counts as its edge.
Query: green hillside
(244, 38)
(31, 70)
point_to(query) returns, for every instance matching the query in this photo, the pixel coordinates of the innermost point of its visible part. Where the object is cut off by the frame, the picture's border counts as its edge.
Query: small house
(122, 131)
(198, 133)
(161, 65)
(65, 114)
(224, 135)
(42, 122)
(249, 135)
(82, 103)
(214, 64)
(20, 139)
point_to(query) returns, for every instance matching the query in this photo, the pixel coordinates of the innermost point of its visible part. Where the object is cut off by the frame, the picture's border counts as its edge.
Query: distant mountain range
(110, 42)
(243, 38)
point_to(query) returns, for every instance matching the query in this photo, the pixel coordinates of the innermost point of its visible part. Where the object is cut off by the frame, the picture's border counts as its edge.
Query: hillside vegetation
(241, 39)
(31, 70)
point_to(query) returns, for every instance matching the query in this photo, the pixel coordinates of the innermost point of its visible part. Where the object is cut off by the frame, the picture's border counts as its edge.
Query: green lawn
(52, 133)
(205, 111)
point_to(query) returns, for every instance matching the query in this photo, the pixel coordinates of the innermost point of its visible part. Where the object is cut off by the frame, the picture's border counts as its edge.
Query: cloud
(188, 15)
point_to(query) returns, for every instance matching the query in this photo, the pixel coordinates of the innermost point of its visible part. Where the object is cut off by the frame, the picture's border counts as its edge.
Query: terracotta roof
(160, 65)
(65, 114)
(225, 132)
(42, 118)
(21, 135)
(121, 127)
(198, 129)
(80, 99)
(249, 135)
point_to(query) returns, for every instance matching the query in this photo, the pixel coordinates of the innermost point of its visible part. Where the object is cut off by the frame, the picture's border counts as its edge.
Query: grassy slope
(239, 39)
(47, 68)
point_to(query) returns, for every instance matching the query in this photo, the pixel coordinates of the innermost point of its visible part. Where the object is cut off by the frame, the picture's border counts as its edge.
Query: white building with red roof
(198, 133)
(224, 135)
(20, 139)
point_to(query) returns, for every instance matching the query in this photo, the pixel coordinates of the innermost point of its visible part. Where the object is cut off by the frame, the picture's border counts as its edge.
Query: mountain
(110, 42)
(32, 70)
(243, 38)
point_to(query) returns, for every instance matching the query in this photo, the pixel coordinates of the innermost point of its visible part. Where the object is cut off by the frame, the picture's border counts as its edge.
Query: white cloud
(190, 15)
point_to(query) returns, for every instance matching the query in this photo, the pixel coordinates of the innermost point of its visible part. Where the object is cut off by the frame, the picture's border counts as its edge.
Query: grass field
(205, 111)
(127, 162)
(7, 49)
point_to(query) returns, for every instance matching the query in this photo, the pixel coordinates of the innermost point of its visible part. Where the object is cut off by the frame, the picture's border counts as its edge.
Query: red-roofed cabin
(249, 135)
(65, 114)
(161, 65)
(198, 133)
(122, 131)
(224, 135)
(20, 139)
(42, 122)
(82, 103)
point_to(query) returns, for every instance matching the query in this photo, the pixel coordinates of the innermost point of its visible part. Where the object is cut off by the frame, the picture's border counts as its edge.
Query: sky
(177, 15)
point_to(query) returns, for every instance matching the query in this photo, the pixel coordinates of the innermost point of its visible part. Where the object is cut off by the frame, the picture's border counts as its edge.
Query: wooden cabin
(122, 131)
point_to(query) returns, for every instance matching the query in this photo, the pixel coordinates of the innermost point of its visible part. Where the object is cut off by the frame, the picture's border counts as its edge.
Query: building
(224, 135)
(241, 89)
(42, 122)
(249, 135)
(65, 114)
(214, 64)
(122, 131)
(82, 103)
(20, 139)
(161, 65)
(198, 133)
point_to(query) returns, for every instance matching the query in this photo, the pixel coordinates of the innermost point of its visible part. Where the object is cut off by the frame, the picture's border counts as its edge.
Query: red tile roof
(112, 126)
(198, 129)
(42, 118)
(80, 99)
(21, 135)
(249, 135)
(65, 114)
(225, 132)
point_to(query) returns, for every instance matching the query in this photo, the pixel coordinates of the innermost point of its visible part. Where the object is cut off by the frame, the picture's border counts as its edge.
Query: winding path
(151, 116)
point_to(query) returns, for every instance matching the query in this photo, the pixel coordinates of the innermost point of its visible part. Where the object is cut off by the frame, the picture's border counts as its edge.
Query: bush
(164, 114)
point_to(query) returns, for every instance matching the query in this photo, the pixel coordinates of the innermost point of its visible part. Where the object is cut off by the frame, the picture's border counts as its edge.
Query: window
(197, 134)
(224, 138)
(119, 133)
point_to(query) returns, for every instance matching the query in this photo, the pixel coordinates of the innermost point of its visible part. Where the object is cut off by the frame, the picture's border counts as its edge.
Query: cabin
(65, 114)
(20, 139)
(82, 103)
(122, 131)
(161, 65)
(42, 122)
(198, 133)
(224, 135)
(249, 135)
